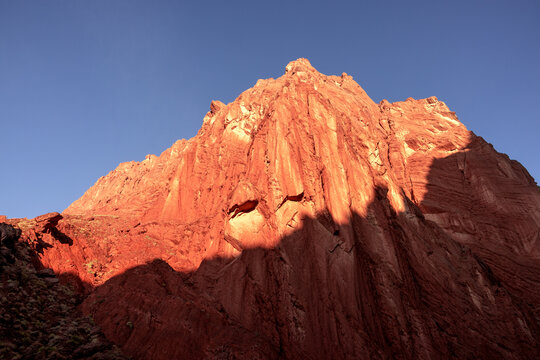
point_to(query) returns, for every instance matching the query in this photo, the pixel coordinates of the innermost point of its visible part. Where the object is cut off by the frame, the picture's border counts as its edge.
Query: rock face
(305, 221)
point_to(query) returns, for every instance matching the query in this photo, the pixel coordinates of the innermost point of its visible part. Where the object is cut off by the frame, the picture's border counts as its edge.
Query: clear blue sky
(85, 85)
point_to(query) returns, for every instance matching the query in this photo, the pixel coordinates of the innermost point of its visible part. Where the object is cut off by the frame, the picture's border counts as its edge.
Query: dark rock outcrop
(39, 318)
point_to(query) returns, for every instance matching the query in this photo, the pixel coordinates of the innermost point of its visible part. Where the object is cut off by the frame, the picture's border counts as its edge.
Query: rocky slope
(38, 316)
(306, 221)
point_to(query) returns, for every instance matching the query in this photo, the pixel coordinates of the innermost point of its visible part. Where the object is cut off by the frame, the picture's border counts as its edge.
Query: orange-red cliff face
(306, 221)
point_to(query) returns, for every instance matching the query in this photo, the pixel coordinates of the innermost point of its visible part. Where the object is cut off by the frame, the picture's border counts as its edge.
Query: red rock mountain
(305, 221)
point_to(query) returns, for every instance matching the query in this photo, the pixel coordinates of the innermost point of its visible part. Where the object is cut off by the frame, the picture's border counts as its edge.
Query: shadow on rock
(39, 318)
(491, 204)
(403, 288)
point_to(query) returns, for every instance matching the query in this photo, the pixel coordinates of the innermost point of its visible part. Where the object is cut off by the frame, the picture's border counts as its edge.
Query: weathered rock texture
(305, 221)
(38, 316)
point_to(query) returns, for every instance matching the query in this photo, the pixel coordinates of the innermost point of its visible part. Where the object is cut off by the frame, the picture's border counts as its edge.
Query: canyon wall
(306, 221)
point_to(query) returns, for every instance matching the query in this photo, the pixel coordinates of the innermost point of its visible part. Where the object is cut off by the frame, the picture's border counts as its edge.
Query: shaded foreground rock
(39, 318)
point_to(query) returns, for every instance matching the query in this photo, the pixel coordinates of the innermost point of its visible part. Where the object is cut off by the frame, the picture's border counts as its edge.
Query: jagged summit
(300, 64)
(308, 221)
(278, 117)
(303, 66)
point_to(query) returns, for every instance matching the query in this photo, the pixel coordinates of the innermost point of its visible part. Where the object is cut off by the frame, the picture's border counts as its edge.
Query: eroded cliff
(306, 221)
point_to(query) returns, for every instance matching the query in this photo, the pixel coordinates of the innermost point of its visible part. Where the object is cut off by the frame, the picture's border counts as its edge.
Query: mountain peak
(305, 204)
(298, 65)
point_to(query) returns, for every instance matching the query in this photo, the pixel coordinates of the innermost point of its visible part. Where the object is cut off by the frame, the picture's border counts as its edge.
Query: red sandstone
(305, 221)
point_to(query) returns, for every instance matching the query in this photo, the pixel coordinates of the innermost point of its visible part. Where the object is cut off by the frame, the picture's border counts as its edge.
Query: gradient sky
(86, 85)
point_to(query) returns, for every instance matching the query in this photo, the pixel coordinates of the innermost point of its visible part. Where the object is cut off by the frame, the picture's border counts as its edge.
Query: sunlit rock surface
(305, 221)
